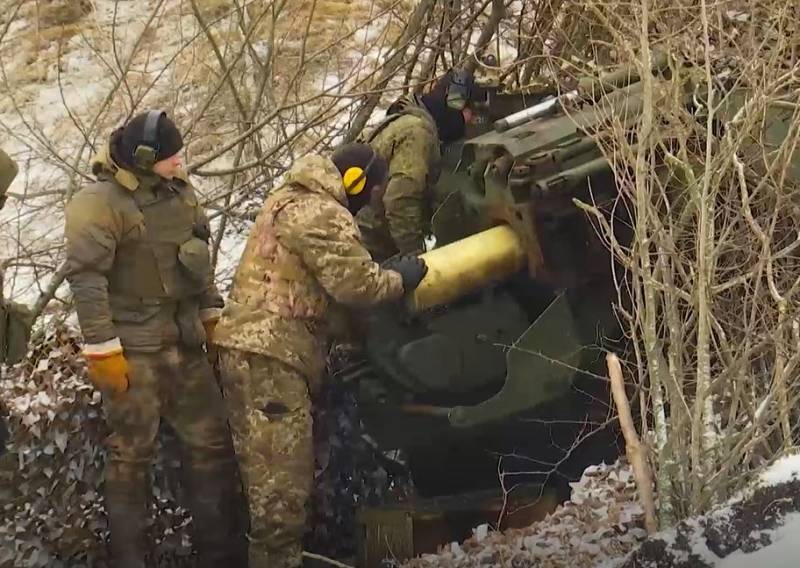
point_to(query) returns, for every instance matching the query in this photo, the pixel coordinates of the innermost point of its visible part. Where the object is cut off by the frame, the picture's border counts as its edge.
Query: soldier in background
(8, 171)
(138, 266)
(303, 254)
(15, 319)
(409, 139)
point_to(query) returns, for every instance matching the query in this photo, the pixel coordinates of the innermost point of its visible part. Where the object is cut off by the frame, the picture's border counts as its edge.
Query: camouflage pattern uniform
(138, 268)
(8, 171)
(409, 142)
(303, 253)
(15, 319)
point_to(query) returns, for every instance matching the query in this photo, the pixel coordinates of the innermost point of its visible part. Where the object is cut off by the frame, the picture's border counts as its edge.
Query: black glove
(412, 268)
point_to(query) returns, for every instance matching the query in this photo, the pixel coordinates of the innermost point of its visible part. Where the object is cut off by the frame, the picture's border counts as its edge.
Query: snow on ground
(782, 471)
(62, 70)
(602, 526)
(784, 552)
(760, 527)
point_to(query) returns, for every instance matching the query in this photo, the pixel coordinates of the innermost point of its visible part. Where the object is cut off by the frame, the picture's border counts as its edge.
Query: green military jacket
(409, 142)
(8, 171)
(303, 253)
(138, 260)
(15, 319)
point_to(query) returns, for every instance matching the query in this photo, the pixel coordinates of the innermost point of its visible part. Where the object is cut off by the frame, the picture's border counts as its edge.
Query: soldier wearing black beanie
(366, 160)
(168, 140)
(139, 268)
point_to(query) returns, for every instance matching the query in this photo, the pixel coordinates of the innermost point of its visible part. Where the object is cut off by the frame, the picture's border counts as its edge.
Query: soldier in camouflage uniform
(8, 171)
(303, 254)
(409, 140)
(138, 266)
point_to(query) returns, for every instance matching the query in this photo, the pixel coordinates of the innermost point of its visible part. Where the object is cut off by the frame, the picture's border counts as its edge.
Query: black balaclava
(358, 155)
(449, 122)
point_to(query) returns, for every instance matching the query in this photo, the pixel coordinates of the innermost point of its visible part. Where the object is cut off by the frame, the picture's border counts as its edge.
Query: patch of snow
(784, 552)
(367, 34)
(698, 544)
(784, 470)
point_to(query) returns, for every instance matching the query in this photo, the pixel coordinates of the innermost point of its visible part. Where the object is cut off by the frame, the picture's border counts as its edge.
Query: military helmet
(459, 89)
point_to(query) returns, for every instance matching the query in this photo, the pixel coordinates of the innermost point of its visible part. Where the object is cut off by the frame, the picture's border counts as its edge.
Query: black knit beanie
(355, 154)
(168, 139)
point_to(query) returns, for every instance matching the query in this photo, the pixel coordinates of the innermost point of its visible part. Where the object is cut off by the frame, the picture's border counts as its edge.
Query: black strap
(364, 172)
(150, 133)
(382, 125)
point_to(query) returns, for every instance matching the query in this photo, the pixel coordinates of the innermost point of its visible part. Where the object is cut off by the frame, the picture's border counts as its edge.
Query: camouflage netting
(601, 523)
(51, 477)
(350, 470)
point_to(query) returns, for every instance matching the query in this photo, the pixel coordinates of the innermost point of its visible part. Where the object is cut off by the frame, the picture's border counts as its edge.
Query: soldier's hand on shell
(412, 268)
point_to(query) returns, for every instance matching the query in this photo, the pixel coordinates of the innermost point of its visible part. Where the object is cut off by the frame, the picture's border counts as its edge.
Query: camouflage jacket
(303, 253)
(15, 319)
(409, 142)
(8, 171)
(137, 260)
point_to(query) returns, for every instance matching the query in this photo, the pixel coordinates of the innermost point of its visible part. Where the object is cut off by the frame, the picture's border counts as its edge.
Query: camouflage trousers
(178, 385)
(272, 433)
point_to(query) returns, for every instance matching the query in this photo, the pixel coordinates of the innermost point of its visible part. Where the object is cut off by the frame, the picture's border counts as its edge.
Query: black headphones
(355, 178)
(146, 152)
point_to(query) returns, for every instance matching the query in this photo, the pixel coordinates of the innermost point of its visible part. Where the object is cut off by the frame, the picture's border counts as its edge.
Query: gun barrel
(535, 111)
(467, 265)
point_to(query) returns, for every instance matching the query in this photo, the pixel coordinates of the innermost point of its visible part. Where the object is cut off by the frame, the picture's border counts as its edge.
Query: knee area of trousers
(212, 459)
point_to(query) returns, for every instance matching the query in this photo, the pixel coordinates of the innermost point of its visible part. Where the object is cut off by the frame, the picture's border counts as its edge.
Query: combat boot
(219, 513)
(126, 493)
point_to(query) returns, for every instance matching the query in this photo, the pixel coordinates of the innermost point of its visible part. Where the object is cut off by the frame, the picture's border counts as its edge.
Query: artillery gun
(505, 336)
(501, 350)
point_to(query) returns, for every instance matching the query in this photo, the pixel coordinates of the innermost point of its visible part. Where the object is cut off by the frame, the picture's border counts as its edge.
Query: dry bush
(52, 13)
(709, 293)
(254, 85)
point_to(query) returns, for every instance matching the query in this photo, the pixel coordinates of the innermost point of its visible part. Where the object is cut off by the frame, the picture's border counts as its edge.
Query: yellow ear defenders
(146, 151)
(355, 178)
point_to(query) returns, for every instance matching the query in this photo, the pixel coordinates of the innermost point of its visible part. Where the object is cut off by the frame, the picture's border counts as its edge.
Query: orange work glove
(109, 371)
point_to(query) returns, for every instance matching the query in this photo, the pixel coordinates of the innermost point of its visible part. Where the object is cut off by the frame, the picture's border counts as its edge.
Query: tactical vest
(435, 165)
(381, 126)
(164, 258)
(272, 278)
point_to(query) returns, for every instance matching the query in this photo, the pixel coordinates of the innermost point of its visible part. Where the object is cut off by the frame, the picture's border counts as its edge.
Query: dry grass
(52, 13)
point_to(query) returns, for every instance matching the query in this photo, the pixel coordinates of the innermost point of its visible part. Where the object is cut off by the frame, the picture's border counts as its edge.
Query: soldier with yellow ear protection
(303, 253)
